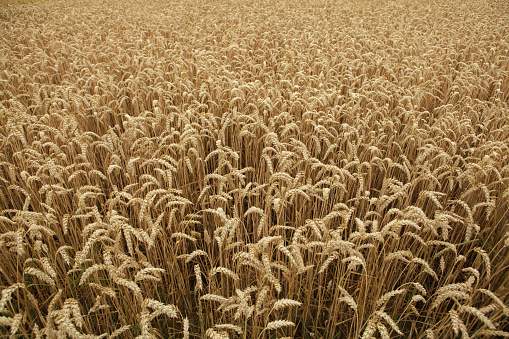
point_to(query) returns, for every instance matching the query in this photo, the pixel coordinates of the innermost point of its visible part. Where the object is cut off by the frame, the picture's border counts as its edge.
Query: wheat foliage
(254, 169)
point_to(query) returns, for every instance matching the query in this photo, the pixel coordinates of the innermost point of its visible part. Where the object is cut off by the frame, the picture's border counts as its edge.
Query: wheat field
(254, 169)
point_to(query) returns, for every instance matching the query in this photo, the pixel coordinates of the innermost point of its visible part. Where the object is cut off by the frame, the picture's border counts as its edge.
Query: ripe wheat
(254, 169)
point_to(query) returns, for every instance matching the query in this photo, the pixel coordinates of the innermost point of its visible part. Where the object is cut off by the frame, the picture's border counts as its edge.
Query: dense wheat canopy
(254, 169)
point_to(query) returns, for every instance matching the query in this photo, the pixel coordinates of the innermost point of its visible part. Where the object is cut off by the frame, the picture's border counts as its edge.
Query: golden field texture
(254, 169)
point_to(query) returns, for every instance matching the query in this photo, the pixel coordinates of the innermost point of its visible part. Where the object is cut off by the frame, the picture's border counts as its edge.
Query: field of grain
(254, 169)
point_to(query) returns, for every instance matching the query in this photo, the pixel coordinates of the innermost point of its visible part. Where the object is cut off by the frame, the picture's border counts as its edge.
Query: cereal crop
(254, 169)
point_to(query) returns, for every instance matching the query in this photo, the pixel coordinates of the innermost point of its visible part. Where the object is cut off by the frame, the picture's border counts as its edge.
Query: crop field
(254, 169)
